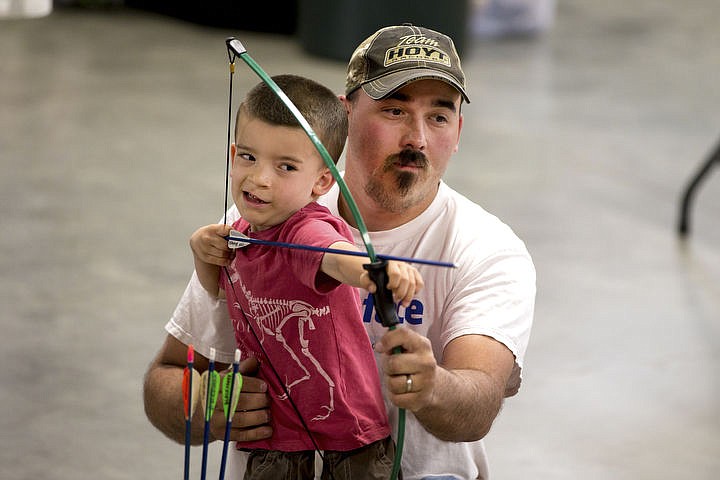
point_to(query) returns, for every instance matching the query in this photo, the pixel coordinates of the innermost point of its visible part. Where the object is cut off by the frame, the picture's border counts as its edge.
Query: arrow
(189, 374)
(211, 385)
(238, 240)
(231, 387)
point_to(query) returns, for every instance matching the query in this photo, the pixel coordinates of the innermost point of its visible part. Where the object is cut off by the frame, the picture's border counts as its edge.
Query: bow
(384, 304)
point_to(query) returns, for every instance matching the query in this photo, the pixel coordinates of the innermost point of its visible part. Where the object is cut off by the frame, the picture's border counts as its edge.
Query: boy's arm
(210, 253)
(403, 279)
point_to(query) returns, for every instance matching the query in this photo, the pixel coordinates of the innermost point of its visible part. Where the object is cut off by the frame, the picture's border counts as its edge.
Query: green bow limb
(237, 49)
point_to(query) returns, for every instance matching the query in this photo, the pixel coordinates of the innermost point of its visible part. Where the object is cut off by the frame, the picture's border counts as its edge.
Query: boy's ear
(324, 182)
(233, 149)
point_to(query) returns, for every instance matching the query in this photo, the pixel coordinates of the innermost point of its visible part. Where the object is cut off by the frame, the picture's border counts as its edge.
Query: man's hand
(456, 400)
(164, 398)
(416, 362)
(251, 418)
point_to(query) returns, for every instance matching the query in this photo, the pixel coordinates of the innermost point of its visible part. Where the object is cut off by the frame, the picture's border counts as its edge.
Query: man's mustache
(407, 157)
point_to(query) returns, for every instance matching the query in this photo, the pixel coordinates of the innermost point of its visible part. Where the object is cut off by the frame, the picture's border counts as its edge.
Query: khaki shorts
(371, 462)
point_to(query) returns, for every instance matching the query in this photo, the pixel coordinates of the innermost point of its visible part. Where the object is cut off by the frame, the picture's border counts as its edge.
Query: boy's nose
(260, 175)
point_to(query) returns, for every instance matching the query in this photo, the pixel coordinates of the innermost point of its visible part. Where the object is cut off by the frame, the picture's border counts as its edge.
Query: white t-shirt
(491, 292)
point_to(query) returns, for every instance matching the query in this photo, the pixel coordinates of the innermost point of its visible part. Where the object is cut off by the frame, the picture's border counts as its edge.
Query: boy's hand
(210, 246)
(404, 281)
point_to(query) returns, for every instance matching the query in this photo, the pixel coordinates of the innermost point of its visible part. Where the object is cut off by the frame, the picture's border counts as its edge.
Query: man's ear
(346, 102)
(460, 124)
(323, 183)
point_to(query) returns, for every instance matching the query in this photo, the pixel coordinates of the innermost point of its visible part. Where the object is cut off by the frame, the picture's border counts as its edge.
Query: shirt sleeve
(204, 321)
(316, 228)
(498, 303)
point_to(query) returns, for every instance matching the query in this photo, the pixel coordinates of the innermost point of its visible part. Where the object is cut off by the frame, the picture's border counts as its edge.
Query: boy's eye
(247, 156)
(287, 167)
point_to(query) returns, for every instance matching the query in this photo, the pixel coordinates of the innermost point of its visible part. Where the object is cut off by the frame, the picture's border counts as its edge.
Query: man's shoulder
(469, 222)
(466, 213)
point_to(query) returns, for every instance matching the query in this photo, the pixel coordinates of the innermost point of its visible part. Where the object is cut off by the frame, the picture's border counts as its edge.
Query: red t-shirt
(310, 327)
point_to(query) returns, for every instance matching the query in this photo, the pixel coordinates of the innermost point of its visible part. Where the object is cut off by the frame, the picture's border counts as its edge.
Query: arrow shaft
(313, 248)
(229, 409)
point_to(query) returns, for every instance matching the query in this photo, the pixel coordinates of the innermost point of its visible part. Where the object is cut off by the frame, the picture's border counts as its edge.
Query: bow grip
(383, 299)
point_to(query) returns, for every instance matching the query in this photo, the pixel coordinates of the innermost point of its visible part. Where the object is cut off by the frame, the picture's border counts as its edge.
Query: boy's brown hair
(319, 105)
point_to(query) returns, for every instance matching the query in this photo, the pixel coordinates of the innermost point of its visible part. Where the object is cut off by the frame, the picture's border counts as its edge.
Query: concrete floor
(112, 143)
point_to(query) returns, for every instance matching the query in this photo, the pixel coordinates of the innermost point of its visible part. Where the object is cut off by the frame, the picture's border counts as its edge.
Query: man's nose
(414, 136)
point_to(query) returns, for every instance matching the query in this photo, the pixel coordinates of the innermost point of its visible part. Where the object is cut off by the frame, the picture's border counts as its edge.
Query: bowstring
(276, 374)
(227, 144)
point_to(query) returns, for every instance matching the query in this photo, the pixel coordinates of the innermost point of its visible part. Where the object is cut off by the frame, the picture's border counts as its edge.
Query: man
(465, 335)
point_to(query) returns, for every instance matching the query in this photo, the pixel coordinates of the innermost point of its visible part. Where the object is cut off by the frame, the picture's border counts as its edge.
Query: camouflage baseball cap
(394, 56)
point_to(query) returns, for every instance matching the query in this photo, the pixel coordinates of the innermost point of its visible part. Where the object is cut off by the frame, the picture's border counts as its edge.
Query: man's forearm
(164, 408)
(463, 407)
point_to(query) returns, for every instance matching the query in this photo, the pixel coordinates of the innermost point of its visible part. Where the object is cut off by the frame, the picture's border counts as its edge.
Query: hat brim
(382, 87)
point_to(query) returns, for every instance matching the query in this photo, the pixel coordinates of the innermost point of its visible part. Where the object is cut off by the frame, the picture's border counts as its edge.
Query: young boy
(301, 306)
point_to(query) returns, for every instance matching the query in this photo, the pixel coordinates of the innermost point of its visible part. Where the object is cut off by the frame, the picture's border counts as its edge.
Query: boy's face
(276, 171)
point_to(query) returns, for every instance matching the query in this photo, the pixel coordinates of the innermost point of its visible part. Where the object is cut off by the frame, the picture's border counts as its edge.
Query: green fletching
(230, 404)
(213, 378)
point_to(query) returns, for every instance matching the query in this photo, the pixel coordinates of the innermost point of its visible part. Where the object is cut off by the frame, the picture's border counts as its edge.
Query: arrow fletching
(236, 239)
(231, 387)
(210, 385)
(190, 399)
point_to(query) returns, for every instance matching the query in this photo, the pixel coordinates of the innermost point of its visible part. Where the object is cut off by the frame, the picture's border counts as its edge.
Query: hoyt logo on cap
(395, 56)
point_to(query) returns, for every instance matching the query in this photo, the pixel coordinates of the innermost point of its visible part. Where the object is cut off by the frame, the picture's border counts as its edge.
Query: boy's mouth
(250, 198)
